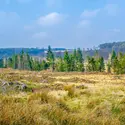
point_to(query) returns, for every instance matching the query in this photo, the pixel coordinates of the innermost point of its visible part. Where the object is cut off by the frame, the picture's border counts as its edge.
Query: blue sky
(61, 23)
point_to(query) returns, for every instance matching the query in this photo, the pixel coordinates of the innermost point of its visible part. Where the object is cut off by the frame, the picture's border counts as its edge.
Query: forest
(68, 63)
(104, 50)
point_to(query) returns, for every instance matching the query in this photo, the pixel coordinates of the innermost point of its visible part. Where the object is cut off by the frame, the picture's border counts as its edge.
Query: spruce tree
(66, 61)
(101, 64)
(113, 56)
(15, 61)
(10, 63)
(1, 63)
(22, 59)
(50, 58)
(72, 63)
(60, 65)
(91, 64)
(79, 57)
(75, 60)
(44, 65)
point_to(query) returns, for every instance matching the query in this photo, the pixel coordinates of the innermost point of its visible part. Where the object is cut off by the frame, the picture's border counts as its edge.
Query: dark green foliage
(117, 63)
(101, 64)
(91, 64)
(60, 65)
(23, 61)
(71, 62)
(95, 63)
(10, 62)
(1, 63)
(79, 60)
(75, 59)
(44, 65)
(113, 56)
(14, 62)
(66, 61)
(50, 58)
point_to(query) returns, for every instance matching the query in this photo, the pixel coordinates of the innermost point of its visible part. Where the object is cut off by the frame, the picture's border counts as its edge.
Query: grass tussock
(70, 89)
(63, 99)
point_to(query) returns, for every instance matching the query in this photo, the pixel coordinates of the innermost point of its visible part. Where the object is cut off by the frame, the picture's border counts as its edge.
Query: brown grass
(63, 99)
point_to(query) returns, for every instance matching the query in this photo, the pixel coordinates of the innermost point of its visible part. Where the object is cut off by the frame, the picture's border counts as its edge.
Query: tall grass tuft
(70, 89)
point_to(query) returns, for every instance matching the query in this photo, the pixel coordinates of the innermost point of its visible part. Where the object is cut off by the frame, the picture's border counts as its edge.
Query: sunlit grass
(63, 99)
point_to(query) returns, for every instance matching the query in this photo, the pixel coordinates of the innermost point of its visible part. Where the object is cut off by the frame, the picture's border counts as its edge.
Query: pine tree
(121, 64)
(72, 63)
(91, 64)
(79, 57)
(101, 64)
(113, 56)
(26, 61)
(75, 60)
(29, 64)
(44, 65)
(109, 67)
(51, 58)
(115, 65)
(22, 59)
(66, 61)
(1, 63)
(60, 65)
(15, 61)
(10, 63)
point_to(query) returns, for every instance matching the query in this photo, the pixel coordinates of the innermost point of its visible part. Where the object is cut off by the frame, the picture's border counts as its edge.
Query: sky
(61, 23)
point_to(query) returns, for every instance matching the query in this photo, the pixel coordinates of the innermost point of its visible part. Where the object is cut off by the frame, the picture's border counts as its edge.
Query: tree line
(69, 62)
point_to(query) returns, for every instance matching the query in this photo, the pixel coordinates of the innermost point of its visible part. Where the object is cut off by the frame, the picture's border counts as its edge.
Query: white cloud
(50, 2)
(39, 35)
(90, 13)
(20, 1)
(23, 1)
(28, 27)
(84, 23)
(112, 9)
(87, 15)
(53, 3)
(8, 16)
(115, 30)
(50, 19)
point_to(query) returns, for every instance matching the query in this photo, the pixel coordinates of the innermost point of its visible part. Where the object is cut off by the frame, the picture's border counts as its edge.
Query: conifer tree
(113, 56)
(50, 58)
(101, 64)
(1, 63)
(79, 57)
(44, 65)
(72, 63)
(10, 63)
(22, 59)
(66, 61)
(15, 62)
(60, 65)
(75, 60)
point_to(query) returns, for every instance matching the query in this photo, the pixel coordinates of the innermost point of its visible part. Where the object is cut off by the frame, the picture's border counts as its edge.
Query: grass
(63, 99)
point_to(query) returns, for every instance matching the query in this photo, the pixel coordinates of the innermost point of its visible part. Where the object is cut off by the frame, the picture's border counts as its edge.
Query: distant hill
(106, 48)
(117, 46)
(103, 50)
(8, 52)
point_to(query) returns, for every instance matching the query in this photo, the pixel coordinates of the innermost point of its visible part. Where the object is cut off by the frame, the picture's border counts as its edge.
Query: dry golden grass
(63, 99)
